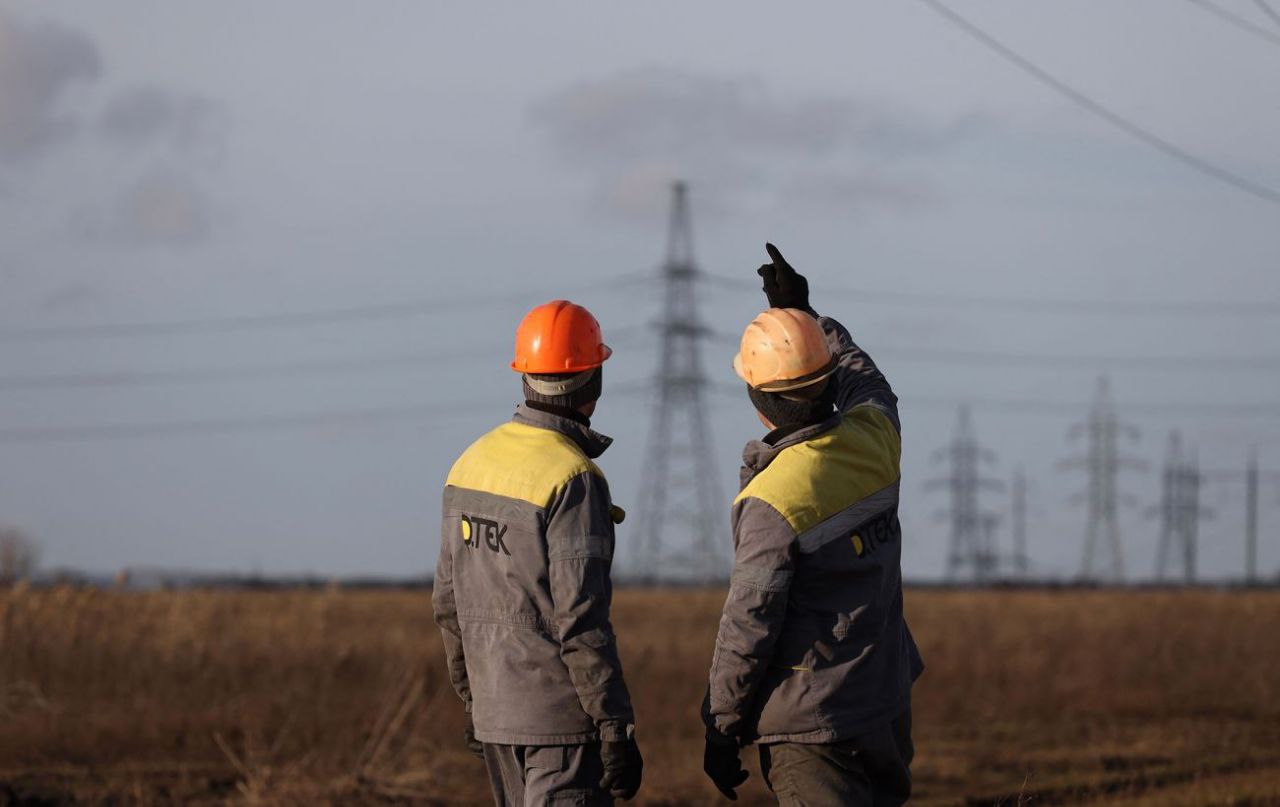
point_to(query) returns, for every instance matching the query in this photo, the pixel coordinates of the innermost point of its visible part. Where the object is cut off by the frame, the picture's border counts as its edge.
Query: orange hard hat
(783, 349)
(559, 337)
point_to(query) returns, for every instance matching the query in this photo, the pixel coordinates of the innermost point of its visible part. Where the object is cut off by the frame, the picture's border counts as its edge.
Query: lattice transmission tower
(1102, 462)
(681, 511)
(1179, 511)
(1018, 524)
(973, 545)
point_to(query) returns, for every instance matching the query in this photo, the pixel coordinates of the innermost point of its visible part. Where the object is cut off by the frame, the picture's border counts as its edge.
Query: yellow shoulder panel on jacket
(520, 462)
(811, 481)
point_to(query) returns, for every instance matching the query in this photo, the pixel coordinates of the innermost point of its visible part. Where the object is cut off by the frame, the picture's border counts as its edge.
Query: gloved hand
(623, 766)
(723, 765)
(784, 287)
(469, 737)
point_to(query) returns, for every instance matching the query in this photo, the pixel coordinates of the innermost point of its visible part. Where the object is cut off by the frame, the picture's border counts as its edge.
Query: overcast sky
(171, 162)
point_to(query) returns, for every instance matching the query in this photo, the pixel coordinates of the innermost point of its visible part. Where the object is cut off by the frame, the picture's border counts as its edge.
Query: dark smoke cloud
(39, 62)
(747, 146)
(192, 125)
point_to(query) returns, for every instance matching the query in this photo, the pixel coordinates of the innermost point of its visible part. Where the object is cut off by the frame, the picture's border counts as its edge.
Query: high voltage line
(339, 417)
(1238, 308)
(1240, 22)
(1141, 134)
(1176, 363)
(1155, 408)
(212, 426)
(377, 363)
(410, 308)
(281, 371)
(1266, 8)
(271, 321)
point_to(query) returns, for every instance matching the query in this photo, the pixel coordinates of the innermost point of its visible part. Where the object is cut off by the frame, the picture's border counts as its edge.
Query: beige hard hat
(783, 349)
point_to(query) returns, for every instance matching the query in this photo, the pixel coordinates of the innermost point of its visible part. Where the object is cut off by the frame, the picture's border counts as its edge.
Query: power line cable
(1238, 21)
(1134, 130)
(1268, 10)
(1154, 408)
(283, 371)
(1177, 363)
(253, 322)
(736, 392)
(1238, 308)
(175, 428)
(340, 417)
(278, 371)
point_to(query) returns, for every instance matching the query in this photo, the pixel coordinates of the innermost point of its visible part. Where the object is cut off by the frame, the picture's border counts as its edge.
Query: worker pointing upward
(522, 587)
(813, 659)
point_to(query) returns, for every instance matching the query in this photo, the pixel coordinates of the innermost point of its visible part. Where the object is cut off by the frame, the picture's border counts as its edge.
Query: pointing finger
(774, 254)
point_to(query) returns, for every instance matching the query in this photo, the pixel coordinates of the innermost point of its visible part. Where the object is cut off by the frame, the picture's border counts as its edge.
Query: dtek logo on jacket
(475, 530)
(880, 530)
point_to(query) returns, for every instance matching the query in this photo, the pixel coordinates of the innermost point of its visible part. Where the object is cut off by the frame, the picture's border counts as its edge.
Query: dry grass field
(340, 697)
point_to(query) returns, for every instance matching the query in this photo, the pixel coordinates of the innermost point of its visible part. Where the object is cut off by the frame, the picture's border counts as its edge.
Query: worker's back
(510, 524)
(844, 659)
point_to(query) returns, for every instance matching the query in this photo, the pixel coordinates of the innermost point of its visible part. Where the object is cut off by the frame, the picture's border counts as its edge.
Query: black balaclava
(789, 411)
(572, 390)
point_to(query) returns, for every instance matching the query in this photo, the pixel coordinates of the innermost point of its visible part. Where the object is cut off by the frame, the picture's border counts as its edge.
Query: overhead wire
(624, 392)
(1087, 103)
(1182, 308)
(1266, 8)
(1189, 363)
(269, 321)
(1155, 408)
(279, 371)
(214, 426)
(729, 390)
(1240, 22)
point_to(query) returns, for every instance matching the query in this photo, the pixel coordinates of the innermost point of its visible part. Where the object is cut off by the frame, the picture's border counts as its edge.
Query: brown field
(340, 697)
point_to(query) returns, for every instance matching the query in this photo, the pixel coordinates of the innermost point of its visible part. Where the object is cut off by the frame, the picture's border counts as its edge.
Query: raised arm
(857, 379)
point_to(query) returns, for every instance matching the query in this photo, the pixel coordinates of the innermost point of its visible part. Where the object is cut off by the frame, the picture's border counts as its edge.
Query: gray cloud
(747, 146)
(193, 125)
(70, 296)
(39, 61)
(166, 207)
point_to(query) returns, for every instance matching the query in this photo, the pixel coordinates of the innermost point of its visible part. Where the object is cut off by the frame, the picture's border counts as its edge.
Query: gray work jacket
(812, 645)
(522, 587)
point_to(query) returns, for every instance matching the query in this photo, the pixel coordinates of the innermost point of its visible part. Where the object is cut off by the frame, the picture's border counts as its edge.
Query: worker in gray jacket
(522, 588)
(813, 659)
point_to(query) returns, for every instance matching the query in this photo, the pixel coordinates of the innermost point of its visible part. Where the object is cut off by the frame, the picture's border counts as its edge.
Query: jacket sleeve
(580, 545)
(763, 566)
(857, 379)
(446, 617)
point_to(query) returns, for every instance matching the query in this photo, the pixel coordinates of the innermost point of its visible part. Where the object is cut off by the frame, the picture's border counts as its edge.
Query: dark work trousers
(536, 775)
(872, 770)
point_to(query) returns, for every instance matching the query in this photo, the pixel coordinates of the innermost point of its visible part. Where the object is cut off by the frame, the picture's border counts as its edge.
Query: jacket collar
(759, 453)
(590, 441)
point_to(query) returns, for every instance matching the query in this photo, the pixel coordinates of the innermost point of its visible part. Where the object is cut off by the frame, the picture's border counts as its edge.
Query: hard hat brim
(789, 384)
(568, 367)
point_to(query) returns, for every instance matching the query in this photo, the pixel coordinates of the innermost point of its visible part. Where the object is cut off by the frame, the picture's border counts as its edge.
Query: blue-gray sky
(168, 161)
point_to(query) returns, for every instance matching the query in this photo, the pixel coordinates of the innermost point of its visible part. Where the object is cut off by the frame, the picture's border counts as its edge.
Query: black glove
(784, 287)
(723, 764)
(469, 737)
(623, 766)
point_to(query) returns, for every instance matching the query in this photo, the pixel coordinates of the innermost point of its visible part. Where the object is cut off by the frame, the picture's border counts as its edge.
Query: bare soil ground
(340, 697)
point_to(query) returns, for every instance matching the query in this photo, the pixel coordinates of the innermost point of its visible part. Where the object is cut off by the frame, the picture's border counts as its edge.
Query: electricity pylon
(1251, 476)
(1102, 462)
(680, 505)
(972, 528)
(1018, 524)
(1179, 510)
